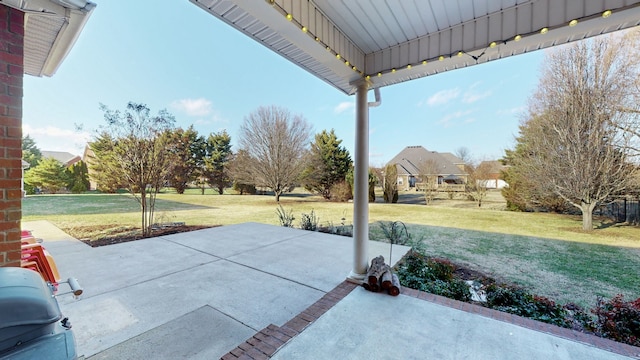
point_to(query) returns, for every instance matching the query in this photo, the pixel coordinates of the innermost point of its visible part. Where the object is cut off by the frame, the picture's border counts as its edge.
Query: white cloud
(193, 107)
(51, 138)
(448, 119)
(442, 97)
(471, 97)
(344, 106)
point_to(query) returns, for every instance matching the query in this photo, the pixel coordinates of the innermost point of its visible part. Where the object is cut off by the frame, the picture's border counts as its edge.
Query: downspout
(378, 101)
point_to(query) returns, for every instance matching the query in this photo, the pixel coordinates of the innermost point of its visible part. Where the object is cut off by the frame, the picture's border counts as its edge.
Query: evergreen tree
(30, 152)
(218, 154)
(328, 163)
(390, 194)
(102, 161)
(49, 175)
(78, 177)
(184, 146)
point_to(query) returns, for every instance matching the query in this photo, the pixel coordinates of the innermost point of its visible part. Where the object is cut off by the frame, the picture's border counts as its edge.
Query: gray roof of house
(411, 158)
(452, 158)
(62, 156)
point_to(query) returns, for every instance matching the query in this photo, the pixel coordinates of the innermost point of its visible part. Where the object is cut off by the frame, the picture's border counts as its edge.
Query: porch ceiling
(390, 41)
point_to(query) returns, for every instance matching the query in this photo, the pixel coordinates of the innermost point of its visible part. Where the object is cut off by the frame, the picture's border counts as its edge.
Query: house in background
(494, 170)
(448, 169)
(67, 159)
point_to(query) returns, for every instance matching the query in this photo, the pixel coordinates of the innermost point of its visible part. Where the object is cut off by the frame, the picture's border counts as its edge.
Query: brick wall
(11, 72)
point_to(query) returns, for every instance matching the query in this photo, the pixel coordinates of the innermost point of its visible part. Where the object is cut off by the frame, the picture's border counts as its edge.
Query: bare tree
(626, 119)
(139, 155)
(429, 179)
(477, 182)
(464, 154)
(275, 143)
(574, 141)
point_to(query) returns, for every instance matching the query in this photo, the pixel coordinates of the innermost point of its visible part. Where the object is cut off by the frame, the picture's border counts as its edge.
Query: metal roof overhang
(345, 41)
(51, 27)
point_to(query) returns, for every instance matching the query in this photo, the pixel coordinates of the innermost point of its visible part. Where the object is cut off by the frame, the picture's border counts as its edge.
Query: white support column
(361, 185)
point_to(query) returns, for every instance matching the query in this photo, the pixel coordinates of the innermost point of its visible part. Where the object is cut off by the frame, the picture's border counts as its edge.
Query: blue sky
(173, 55)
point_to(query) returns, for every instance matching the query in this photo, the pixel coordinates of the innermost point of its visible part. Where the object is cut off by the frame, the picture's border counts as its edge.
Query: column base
(356, 278)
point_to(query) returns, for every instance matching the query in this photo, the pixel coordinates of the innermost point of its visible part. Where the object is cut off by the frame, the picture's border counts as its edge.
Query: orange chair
(45, 263)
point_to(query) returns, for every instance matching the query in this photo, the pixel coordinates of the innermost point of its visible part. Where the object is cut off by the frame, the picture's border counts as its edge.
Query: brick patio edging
(267, 341)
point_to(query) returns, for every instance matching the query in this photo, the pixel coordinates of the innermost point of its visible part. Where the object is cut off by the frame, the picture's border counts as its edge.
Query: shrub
(286, 217)
(390, 191)
(309, 221)
(618, 320)
(432, 275)
(341, 192)
(518, 301)
(244, 188)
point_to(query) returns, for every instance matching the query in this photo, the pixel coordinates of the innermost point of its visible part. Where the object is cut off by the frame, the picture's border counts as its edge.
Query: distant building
(67, 159)
(493, 181)
(449, 169)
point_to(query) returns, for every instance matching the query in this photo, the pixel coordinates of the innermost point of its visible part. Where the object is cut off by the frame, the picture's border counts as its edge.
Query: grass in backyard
(545, 252)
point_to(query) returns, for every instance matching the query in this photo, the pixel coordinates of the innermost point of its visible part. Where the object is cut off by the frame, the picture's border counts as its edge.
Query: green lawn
(546, 252)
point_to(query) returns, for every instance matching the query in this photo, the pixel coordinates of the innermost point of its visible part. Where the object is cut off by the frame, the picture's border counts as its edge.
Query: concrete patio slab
(318, 269)
(232, 240)
(252, 274)
(201, 334)
(108, 268)
(366, 325)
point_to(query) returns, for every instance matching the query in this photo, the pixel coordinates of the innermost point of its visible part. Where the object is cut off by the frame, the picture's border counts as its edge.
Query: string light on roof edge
(493, 44)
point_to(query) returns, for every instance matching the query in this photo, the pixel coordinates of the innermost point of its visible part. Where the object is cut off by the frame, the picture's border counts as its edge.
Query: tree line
(579, 143)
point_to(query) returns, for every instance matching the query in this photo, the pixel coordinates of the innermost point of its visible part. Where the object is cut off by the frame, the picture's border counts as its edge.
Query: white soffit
(390, 41)
(51, 27)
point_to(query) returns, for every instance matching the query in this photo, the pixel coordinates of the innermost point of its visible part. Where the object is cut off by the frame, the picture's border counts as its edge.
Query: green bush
(432, 275)
(518, 301)
(618, 320)
(615, 318)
